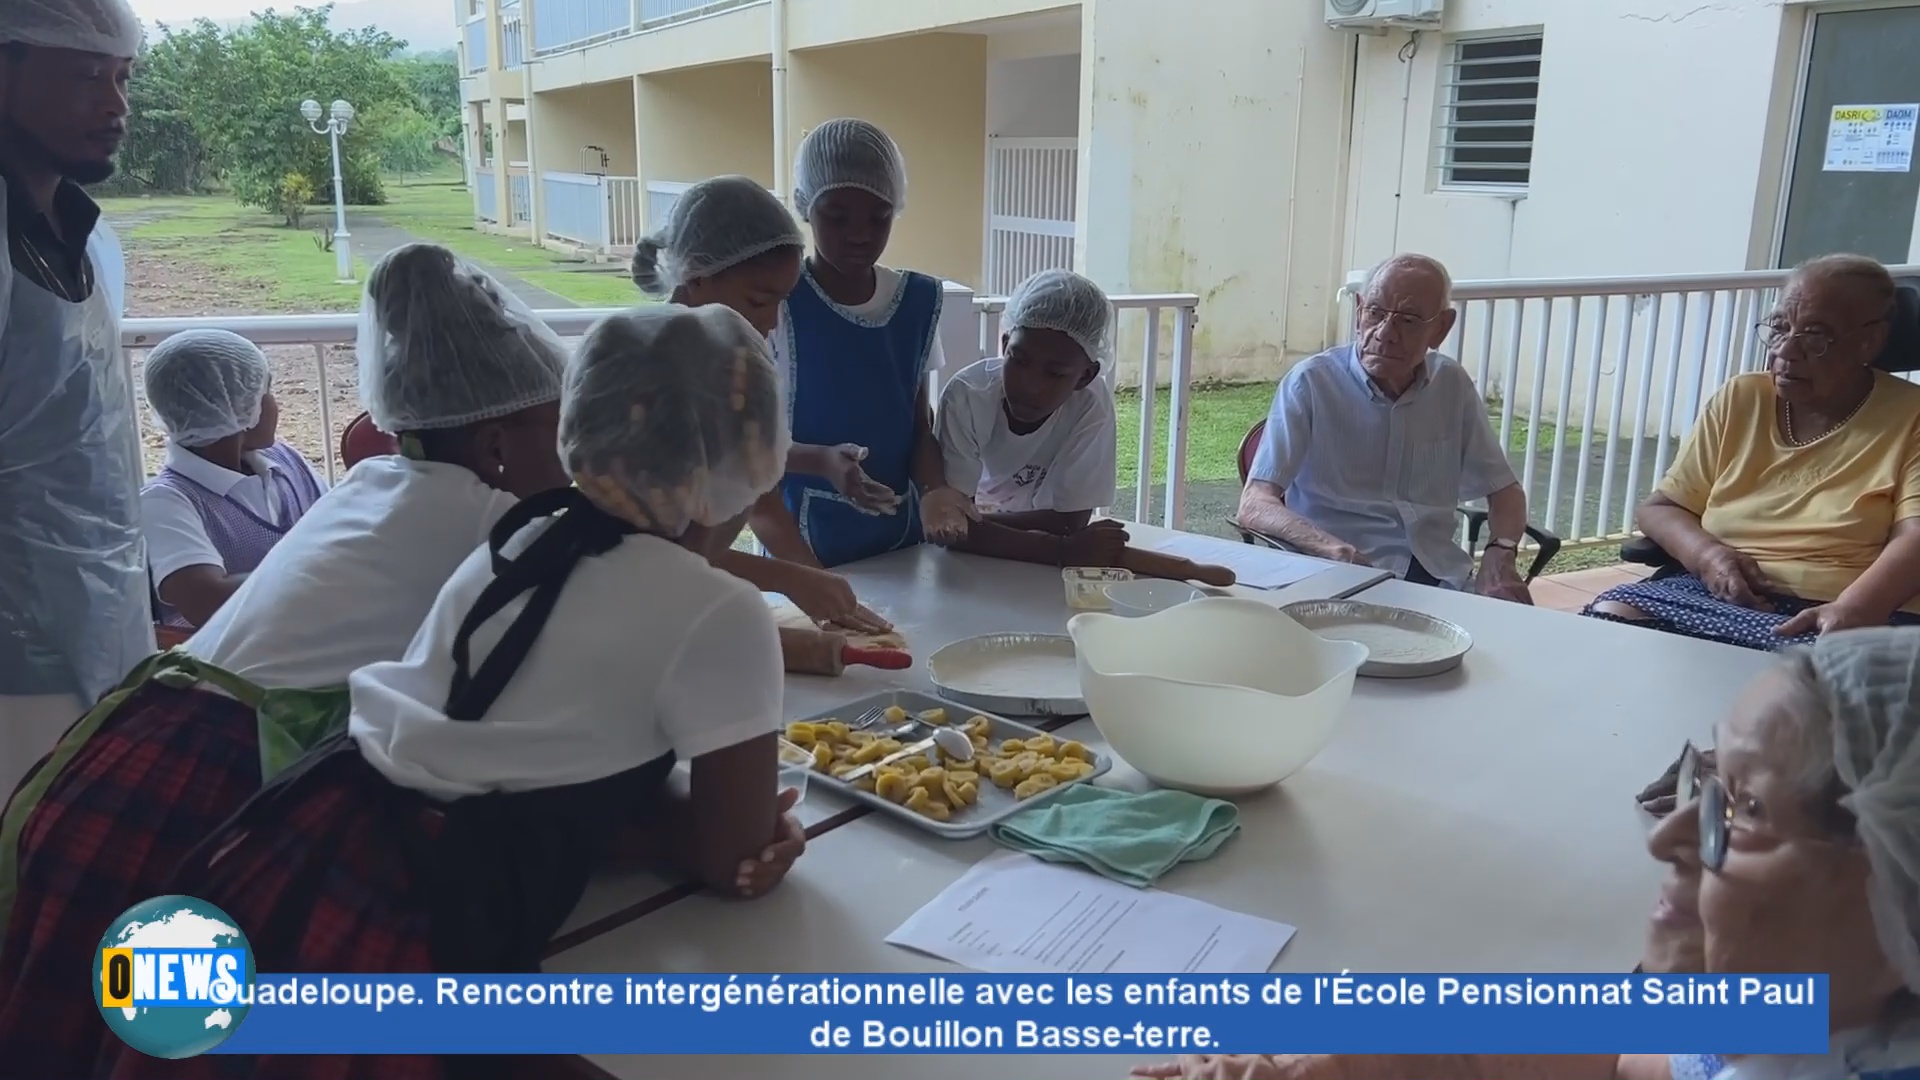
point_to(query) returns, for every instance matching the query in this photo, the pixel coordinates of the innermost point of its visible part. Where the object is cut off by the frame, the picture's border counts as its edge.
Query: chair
(361, 440)
(1548, 544)
(1901, 355)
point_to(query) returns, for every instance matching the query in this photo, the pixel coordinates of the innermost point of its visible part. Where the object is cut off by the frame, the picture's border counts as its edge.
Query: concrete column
(502, 194)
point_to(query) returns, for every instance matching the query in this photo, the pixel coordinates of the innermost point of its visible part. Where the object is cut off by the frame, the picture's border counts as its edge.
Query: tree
(409, 142)
(435, 81)
(163, 150)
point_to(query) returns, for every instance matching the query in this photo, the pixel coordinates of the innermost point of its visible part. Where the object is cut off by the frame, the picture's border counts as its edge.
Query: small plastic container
(795, 766)
(1087, 585)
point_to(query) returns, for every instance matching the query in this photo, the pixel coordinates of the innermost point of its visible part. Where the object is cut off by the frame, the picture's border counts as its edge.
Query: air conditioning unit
(1381, 14)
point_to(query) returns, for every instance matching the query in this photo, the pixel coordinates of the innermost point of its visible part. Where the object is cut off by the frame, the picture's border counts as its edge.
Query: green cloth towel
(1133, 839)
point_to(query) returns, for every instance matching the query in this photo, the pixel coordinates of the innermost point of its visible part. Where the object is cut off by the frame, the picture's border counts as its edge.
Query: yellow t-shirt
(1816, 516)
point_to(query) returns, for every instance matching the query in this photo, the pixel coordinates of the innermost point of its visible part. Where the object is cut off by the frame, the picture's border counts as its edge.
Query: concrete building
(1243, 150)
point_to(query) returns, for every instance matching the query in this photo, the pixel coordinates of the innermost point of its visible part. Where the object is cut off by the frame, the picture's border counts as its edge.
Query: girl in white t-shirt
(1029, 438)
(730, 242)
(563, 669)
(471, 380)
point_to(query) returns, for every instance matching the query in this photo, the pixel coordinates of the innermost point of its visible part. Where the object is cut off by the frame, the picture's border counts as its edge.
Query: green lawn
(234, 254)
(440, 208)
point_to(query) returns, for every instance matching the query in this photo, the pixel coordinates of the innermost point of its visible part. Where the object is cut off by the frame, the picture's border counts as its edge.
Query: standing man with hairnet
(74, 612)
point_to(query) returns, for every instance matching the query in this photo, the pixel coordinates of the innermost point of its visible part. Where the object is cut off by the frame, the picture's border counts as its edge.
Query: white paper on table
(1254, 566)
(1014, 913)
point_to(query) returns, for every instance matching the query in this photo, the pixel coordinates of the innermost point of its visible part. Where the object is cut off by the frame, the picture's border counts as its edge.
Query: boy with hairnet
(230, 489)
(564, 668)
(1029, 439)
(470, 381)
(730, 242)
(856, 340)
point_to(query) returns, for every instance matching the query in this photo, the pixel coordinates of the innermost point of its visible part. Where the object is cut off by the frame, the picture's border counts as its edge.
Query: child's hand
(843, 471)
(945, 514)
(1102, 543)
(827, 598)
(759, 876)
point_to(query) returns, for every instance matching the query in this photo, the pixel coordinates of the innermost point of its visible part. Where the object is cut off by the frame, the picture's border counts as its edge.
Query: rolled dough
(785, 614)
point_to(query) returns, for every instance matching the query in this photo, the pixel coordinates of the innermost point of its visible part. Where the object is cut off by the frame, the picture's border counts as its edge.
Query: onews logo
(173, 977)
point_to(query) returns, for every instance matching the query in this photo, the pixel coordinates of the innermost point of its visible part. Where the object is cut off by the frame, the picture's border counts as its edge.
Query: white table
(1479, 821)
(935, 597)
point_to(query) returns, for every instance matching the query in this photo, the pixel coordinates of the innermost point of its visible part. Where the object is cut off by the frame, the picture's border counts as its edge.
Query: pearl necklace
(1793, 440)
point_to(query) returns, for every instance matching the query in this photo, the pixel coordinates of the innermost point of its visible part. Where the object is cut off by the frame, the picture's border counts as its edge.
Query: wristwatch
(1510, 545)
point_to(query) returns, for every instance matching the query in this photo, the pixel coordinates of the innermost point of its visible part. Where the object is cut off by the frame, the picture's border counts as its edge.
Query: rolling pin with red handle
(823, 652)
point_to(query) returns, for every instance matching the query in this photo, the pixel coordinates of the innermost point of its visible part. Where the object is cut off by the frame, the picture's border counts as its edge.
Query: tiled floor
(1571, 592)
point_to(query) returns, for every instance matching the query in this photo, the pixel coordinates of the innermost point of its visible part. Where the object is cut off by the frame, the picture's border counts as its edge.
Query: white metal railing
(486, 194)
(513, 36)
(570, 24)
(601, 213)
(476, 40)
(1591, 383)
(1031, 211)
(519, 196)
(323, 332)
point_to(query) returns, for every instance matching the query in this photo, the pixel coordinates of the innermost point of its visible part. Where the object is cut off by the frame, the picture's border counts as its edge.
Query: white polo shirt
(176, 535)
(1067, 465)
(351, 581)
(648, 649)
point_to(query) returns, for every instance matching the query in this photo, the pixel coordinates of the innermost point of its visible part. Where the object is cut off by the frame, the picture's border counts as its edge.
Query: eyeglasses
(1696, 781)
(1375, 315)
(1814, 343)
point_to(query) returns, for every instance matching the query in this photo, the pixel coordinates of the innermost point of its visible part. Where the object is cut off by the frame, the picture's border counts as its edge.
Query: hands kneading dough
(935, 785)
(792, 617)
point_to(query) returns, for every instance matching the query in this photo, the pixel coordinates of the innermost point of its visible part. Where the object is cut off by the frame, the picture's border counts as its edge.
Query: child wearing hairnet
(1029, 439)
(230, 488)
(470, 381)
(856, 340)
(564, 668)
(730, 242)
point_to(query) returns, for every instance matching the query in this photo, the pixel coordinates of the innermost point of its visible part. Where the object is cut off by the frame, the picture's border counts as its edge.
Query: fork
(871, 718)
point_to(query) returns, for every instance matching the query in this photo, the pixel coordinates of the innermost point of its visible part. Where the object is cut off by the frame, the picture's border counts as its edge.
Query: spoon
(955, 743)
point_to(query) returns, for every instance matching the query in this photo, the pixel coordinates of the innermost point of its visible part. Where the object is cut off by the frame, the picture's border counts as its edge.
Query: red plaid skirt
(158, 777)
(320, 873)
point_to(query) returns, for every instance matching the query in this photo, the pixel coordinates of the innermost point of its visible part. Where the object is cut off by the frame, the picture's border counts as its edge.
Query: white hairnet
(1871, 680)
(673, 417)
(1064, 301)
(443, 345)
(106, 27)
(205, 385)
(849, 154)
(716, 225)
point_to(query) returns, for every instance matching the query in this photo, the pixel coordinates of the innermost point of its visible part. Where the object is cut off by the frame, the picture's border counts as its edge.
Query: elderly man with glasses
(1371, 447)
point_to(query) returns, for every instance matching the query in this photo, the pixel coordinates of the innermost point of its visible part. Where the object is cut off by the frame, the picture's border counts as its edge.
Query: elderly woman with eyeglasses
(1793, 509)
(1800, 853)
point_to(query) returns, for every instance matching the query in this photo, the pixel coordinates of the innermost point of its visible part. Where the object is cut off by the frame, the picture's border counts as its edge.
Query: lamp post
(338, 117)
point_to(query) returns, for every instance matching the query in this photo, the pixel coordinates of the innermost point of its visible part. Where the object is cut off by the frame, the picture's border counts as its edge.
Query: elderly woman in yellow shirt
(1794, 506)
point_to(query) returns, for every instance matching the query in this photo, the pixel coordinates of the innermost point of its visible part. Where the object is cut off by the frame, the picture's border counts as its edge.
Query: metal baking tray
(995, 804)
(952, 668)
(1402, 644)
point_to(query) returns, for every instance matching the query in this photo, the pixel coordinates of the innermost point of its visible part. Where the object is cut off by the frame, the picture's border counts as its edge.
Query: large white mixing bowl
(1218, 696)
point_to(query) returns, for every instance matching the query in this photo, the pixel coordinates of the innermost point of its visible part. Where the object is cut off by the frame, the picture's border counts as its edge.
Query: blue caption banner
(1033, 1014)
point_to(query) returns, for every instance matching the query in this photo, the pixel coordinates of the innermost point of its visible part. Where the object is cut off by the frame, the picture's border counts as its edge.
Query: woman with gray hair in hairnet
(563, 669)
(230, 488)
(1028, 439)
(1799, 853)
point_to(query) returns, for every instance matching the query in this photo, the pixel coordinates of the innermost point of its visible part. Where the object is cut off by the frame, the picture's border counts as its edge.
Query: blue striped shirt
(1386, 475)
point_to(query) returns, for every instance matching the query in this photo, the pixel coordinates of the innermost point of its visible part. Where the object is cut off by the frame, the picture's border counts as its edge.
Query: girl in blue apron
(474, 383)
(729, 241)
(856, 340)
(564, 668)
